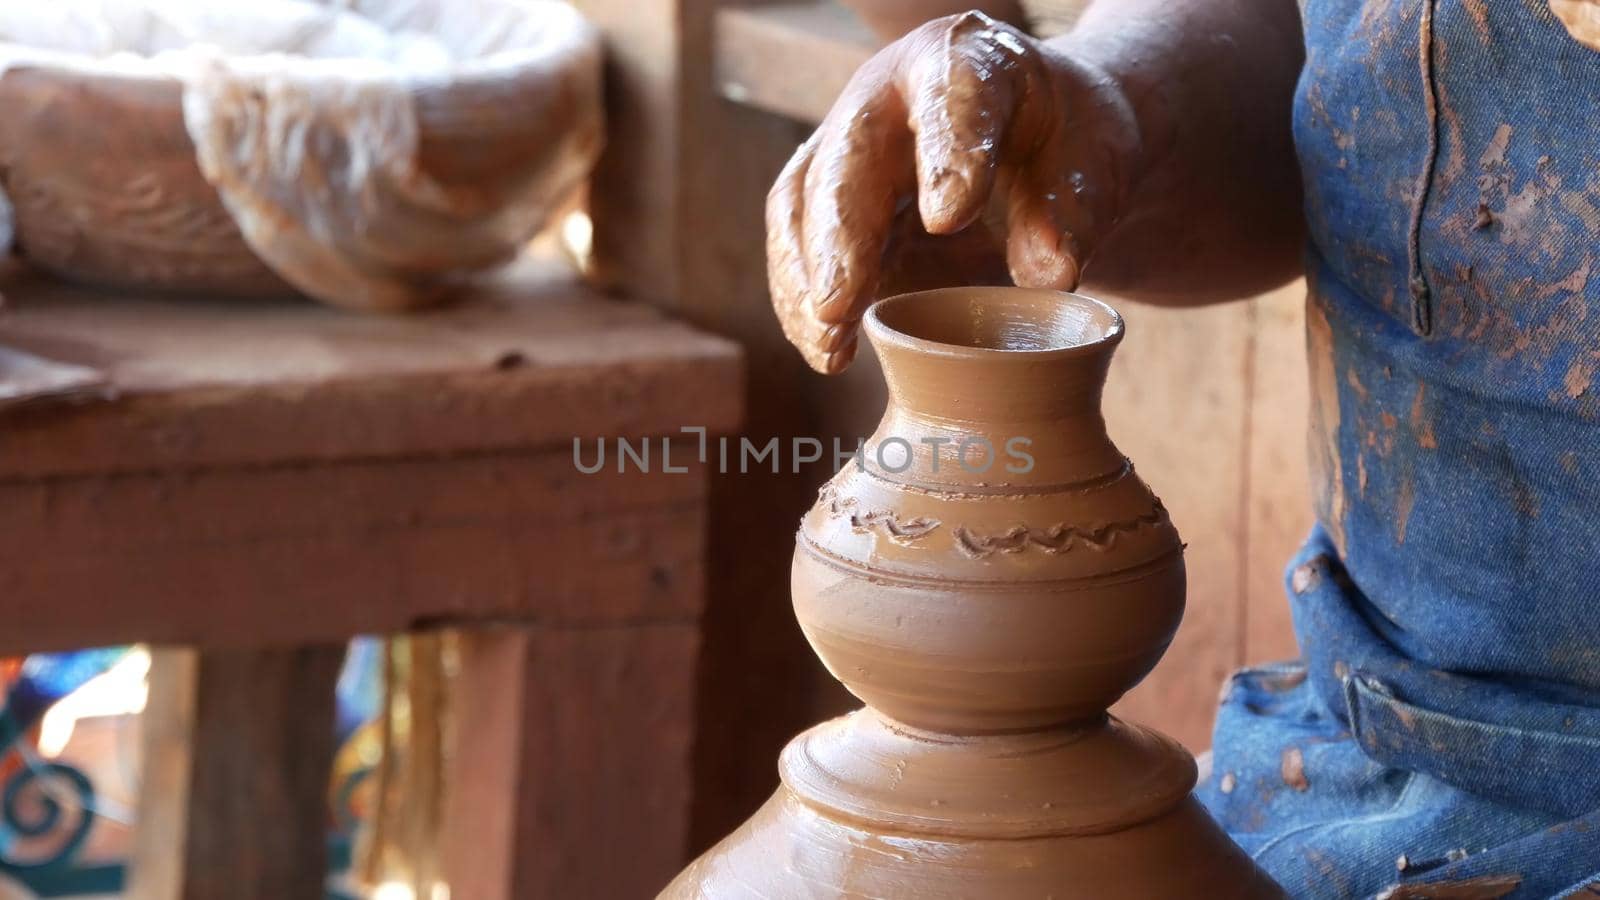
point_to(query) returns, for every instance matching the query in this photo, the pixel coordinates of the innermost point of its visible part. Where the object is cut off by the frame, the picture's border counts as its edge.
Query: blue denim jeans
(1443, 724)
(1353, 771)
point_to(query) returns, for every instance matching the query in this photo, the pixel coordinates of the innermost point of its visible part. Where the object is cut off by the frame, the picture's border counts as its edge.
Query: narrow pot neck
(1021, 369)
(994, 390)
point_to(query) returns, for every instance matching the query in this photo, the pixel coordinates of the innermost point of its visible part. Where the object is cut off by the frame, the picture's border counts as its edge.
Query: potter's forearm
(1214, 212)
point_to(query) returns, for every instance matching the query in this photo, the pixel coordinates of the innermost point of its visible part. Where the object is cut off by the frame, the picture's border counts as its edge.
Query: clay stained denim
(1441, 731)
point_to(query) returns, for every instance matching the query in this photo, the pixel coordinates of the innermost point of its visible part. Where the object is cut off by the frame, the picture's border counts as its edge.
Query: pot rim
(1049, 303)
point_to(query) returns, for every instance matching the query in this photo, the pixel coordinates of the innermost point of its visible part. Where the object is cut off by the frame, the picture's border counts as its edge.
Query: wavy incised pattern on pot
(986, 583)
(1058, 538)
(886, 522)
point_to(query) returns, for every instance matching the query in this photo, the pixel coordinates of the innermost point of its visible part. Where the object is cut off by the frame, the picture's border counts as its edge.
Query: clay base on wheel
(1059, 821)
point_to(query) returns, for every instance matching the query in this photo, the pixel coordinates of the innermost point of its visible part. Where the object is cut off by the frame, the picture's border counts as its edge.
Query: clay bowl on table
(282, 156)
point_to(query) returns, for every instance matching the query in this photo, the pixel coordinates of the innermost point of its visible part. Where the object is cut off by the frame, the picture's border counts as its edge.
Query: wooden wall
(1210, 404)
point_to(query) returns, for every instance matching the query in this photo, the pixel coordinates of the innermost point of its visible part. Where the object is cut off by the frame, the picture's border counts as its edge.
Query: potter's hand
(960, 109)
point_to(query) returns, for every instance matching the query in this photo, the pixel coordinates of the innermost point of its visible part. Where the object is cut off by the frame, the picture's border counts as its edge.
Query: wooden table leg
(238, 750)
(569, 775)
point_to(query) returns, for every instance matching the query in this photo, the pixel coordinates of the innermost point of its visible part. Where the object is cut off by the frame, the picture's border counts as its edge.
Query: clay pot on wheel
(988, 578)
(1031, 508)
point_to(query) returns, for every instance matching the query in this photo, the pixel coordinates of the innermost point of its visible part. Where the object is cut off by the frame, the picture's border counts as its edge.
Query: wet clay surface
(987, 615)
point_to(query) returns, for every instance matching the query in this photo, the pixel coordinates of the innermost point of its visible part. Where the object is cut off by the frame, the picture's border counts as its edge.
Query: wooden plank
(635, 192)
(299, 554)
(156, 870)
(26, 378)
(1175, 404)
(755, 650)
(570, 775)
(678, 211)
(527, 361)
(1211, 404)
(1279, 511)
(242, 811)
(759, 50)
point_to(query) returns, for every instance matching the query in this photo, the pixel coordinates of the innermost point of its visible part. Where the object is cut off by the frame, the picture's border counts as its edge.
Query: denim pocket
(1553, 772)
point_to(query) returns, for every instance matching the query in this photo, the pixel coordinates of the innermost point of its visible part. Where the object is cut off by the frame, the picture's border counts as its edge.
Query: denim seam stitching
(1421, 302)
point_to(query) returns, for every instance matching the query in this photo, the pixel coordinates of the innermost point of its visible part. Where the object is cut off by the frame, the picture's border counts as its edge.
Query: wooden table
(258, 481)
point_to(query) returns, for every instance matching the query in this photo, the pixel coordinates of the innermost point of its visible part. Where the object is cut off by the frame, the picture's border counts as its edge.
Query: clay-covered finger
(1043, 223)
(836, 336)
(857, 175)
(788, 273)
(1058, 212)
(962, 88)
(840, 359)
